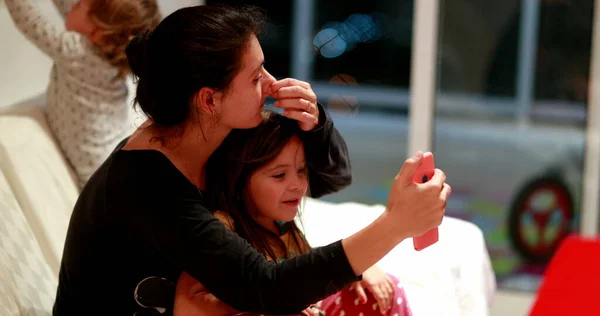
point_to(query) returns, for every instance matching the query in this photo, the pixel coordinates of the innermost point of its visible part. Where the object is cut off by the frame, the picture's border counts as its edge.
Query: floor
(509, 303)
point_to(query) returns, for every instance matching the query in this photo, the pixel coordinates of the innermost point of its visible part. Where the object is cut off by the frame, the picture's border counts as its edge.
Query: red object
(347, 303)
(424, 173)
(571, 284)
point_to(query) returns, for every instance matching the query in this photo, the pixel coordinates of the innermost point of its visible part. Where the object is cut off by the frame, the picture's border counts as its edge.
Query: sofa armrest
(40, 178)
(27, 285)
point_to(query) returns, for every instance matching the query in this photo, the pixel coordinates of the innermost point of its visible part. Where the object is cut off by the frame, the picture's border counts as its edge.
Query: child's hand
(312, 311)
(379, 284)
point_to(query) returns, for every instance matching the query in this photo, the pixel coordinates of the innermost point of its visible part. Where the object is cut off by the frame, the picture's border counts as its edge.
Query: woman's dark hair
(192, 48)
(229, 170)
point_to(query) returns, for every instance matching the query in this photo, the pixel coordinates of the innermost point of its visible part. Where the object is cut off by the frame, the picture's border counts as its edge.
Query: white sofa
(37, 193)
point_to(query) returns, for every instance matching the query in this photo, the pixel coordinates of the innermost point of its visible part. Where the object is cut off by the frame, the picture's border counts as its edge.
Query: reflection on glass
(513, 80)
(371, 41)
(363, 81)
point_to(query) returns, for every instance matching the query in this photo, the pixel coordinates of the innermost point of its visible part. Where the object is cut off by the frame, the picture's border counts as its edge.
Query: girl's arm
(52, 39)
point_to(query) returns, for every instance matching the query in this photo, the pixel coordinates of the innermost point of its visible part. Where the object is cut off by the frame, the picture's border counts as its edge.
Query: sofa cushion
(39, 177)
(8, 300)
(24, 272)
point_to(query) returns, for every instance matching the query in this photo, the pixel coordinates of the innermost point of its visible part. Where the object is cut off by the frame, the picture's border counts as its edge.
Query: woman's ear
(208, 100)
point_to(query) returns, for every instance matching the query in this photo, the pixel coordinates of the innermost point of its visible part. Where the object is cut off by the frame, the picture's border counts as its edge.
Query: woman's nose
(268, 81)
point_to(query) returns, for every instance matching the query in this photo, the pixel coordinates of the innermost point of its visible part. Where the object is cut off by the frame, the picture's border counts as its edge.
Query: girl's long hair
(229, 170)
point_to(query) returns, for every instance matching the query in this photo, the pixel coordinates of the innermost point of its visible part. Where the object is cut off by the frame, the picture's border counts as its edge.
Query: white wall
(24, 70)
(168, 6)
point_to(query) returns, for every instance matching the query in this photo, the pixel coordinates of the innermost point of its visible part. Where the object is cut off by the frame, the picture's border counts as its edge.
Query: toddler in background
(88, 110)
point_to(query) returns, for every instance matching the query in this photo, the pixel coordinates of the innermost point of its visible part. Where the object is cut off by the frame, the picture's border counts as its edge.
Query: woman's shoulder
(143, 183)
(134, 154)
(148, 168)
(149, 175)
(147, 161)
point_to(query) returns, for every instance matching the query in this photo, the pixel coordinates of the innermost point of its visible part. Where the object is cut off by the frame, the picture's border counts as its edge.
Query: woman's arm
(330, 169)
(52, 39)
(225, 219)
(188, 235)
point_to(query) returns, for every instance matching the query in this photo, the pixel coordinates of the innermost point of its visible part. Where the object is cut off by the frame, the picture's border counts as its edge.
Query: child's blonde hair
(120, 21)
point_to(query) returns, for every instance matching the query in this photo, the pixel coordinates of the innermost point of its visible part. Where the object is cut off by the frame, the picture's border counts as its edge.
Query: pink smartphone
(423, 173)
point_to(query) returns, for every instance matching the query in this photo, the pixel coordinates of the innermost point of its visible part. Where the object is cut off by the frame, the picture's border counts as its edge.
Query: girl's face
(275, 190)
(240, 107)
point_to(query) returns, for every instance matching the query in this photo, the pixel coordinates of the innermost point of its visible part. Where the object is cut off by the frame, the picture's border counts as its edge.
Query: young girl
(87, 96)
(259, 198)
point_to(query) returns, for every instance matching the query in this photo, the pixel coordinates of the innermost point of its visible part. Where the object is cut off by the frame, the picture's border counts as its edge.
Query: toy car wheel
(540, 218)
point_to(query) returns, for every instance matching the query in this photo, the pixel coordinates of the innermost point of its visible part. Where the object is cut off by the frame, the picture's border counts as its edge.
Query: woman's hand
(417, 207)
(298, 101)
(379, 284)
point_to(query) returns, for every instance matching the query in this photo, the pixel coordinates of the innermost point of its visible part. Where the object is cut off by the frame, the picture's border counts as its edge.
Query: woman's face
(241, 106)
(275, 190)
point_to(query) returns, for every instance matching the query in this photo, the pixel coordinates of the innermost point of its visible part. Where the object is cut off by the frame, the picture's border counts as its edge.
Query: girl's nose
(298, 183)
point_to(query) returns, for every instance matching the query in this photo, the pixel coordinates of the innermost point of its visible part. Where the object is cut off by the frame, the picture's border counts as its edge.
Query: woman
(143, 215)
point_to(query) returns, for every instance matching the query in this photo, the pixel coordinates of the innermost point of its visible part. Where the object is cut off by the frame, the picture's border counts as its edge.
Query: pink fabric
(346, 303)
